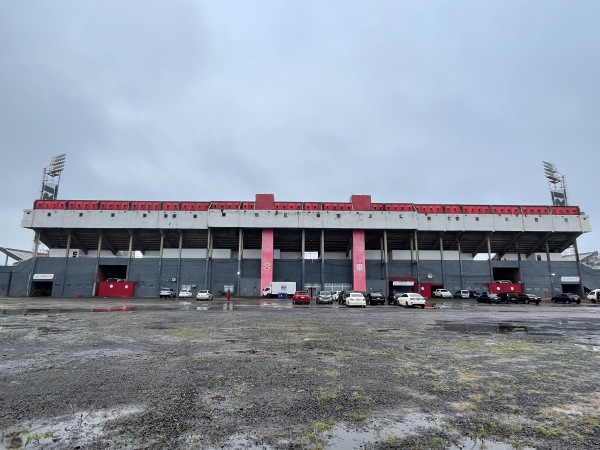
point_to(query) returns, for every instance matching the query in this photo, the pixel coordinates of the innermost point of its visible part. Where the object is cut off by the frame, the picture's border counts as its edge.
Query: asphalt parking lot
(265, 374)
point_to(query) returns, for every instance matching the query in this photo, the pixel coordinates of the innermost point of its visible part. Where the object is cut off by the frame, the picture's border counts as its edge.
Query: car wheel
(422, 306)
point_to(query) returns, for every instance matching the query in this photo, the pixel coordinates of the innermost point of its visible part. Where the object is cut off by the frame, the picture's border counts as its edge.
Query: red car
(301, 297)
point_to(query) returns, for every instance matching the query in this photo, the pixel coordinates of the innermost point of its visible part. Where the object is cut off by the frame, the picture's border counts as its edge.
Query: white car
(593, 295)
(411, 299)
(356, 299)
(167, 293)
(204, 294)
(185, 293)
(442, 293)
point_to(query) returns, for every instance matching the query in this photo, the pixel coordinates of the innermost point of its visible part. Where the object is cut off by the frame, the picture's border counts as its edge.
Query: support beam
(75, 242)
(136, 241)
(484, 241)
(572, 241)
(108, 244)
(541, 241)
(507, 247)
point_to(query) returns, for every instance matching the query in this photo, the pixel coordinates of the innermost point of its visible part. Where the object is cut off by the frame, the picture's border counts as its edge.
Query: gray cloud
(407, 101)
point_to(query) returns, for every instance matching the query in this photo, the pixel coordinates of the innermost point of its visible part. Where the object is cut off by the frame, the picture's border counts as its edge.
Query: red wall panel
(266, 259)
(359, 272)
(264, 201)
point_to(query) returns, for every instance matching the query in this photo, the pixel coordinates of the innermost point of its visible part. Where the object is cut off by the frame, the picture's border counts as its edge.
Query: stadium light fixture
(551, 173)
(57, 164)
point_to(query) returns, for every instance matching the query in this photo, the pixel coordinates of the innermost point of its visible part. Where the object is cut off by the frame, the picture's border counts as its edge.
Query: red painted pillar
(359, 272)
(266, 259)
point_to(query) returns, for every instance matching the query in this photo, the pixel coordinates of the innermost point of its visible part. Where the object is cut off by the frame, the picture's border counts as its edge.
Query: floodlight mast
(51, 177)
(556, 183)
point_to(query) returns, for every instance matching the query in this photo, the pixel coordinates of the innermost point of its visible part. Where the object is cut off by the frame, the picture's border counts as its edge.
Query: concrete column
(416, 242)
(302, 261)
(578, 268)
(36, 245)
(240, 255)
(179, 261)
(442, 260)
(208, 269)
(322, 247)
(489, 249)
(386, 271)
(160, 258)
(550, 270)
(460, 265)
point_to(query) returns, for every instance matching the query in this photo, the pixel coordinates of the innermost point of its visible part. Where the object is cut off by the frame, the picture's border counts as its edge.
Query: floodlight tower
(51, 177)
(556, 183)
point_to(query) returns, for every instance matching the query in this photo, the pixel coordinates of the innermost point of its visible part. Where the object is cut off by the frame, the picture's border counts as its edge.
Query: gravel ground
(272, 376)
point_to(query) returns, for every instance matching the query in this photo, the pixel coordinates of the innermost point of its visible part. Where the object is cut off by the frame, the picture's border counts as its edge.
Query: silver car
(204, 294)
(324, 297)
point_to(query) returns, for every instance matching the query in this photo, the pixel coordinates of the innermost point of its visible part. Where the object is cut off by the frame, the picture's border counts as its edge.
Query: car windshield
(325, 293)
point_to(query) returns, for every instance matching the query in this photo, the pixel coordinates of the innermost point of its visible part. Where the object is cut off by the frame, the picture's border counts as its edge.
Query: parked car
(167, 293)
(574, 297)
(463, 293)
(488, 297)
(441, 293)
(375, 298)
(204, 294)
(565, 298)
(342, 297)
(356, 299)
(474, 294)
(301, 297)
(507, 297)
(185, 293)
(528, 298)
(593, 295)
(324, 297)
(411, 299)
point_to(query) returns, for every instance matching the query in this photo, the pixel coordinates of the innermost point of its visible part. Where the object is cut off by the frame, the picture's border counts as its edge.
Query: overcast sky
(408, 101)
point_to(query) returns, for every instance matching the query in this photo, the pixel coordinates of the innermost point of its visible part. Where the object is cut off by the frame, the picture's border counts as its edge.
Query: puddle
(73, 431)
(484, 328)
(387, 433)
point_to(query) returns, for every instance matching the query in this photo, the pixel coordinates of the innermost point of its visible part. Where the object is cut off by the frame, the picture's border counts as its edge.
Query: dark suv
(528, 298)
(375, 298)
(508, 297)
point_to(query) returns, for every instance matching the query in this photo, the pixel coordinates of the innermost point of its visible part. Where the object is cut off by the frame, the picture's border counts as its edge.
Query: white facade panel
(373, 255)
(401, 255)
(193, 253)
(507, 222)
(170, 253)
(252, 254)
(221, 253)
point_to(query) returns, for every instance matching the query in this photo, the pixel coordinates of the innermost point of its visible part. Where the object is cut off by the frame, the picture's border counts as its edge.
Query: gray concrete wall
(77, 276)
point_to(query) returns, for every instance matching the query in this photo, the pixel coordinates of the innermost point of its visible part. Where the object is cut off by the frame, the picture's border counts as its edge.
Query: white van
(593, 295)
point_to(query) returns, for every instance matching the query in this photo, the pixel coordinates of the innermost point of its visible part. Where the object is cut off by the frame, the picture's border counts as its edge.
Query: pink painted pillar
(359, 272)
(266, 259)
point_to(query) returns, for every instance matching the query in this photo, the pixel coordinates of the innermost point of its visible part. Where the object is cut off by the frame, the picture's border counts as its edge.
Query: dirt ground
(268, 375)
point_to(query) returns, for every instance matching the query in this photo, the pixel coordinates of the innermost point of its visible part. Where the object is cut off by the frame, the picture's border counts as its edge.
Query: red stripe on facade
(266, 259)
(359, 272)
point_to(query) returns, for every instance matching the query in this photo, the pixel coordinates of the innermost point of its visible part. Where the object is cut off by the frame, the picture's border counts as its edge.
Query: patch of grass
(324, 426)
(391, 441)
(37, 437)
(463, 406)
(358, 417)
(324, 397)
(548, 431)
